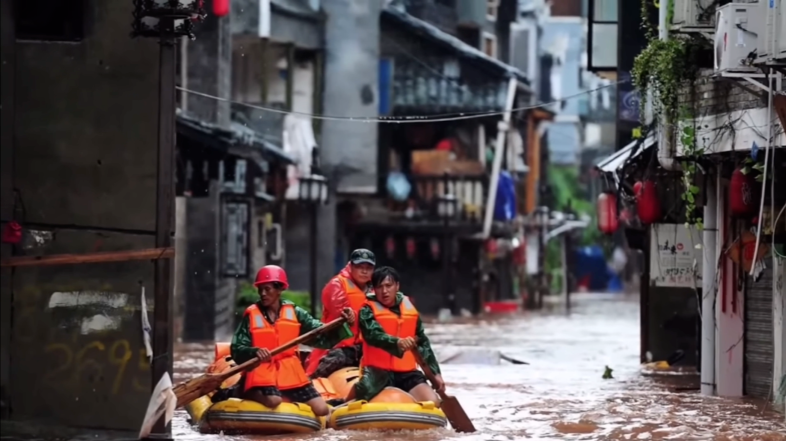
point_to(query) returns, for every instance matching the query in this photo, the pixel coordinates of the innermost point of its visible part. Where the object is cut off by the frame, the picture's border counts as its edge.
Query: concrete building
(234, 162)
(443, 58)
(727, 151)
(87, 176)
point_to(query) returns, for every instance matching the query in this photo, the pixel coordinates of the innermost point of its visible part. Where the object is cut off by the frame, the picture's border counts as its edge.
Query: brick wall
(716, 95)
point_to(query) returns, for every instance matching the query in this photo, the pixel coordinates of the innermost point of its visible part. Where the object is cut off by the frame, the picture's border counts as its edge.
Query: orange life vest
(284, 370)
(325, 389)
(398, 326)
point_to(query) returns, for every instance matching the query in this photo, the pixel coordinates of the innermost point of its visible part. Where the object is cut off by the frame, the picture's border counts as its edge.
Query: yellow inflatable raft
(392, 409)
(246, 416)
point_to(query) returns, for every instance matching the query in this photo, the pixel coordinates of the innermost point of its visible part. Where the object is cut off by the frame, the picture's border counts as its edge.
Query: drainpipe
(709, 287)
(666, 149)
(499, 152)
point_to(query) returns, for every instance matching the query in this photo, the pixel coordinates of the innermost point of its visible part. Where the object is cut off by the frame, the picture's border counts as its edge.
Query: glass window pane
(605, 10)
(604, 46)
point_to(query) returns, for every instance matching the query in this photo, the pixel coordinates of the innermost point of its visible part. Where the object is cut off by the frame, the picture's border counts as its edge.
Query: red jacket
(334, 298)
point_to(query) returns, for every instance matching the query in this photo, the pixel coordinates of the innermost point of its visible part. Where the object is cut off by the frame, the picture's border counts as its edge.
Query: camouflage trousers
(338, 358)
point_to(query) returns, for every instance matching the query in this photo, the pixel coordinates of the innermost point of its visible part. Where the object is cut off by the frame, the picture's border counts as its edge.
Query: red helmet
(271, 273)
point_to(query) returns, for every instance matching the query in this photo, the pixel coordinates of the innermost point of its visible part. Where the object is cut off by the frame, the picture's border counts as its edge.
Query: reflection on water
(560, 394)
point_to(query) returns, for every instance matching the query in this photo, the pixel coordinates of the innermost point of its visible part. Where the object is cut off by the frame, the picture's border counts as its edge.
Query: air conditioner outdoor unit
(736, 36)
(772, 42)
(693, 16)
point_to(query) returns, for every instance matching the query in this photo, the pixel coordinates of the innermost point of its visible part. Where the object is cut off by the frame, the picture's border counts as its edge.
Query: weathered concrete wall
(289, 22)
(297, 242)
(209, 296)
(201, 281)
(209, 61)
(351, 89)
(79, 144)
(181, 250)
(349, 148)
(7, 50)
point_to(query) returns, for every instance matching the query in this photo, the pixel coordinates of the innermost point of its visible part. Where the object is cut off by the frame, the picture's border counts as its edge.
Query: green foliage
(667, 69)
(662, 67)
(568, 193)
(689, 168)
(754, 168)
(248, 295)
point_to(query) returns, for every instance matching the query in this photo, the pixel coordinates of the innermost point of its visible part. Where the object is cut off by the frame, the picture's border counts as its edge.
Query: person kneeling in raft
(391, 328)
(269, 324)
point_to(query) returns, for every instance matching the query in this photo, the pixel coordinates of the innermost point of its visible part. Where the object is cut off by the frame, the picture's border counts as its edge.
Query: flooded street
(561, 393)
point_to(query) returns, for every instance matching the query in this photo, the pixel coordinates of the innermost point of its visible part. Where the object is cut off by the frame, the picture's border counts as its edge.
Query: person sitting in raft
(273, 322)
(391, 327)
(347, 290)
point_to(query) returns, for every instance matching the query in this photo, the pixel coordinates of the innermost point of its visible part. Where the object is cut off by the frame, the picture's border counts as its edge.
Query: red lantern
(647, 203)
(12, 233)
(220, 8)
(607, 213)
(434, 244)
(742, 194)
(637, 188)
(411, 248)
(390, 247)
(492, 248)
(520, 253)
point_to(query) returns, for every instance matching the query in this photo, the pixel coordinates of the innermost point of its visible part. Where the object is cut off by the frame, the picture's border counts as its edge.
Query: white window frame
(492, 10)
(489, 36)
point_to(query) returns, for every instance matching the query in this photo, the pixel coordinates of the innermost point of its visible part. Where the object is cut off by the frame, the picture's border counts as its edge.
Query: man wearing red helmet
(270, 323)
(347, 290)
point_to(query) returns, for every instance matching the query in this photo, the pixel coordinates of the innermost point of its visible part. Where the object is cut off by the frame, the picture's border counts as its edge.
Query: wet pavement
(560, 395)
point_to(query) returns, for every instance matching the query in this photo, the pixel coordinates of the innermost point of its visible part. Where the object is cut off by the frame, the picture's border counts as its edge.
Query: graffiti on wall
(79, 343)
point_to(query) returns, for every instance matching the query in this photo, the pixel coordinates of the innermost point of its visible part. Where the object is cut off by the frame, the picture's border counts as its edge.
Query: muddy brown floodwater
(560, 395)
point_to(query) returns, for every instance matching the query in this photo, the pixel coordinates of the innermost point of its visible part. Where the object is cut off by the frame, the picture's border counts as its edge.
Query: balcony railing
(418, 90)
(470, 192)
(268, 125)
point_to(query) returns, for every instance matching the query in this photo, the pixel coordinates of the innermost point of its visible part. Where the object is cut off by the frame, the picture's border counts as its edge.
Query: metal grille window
(234, 233)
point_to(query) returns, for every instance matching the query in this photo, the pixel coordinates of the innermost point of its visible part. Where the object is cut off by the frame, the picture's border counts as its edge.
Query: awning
(237, 140)
(613, 163)
(428, 30)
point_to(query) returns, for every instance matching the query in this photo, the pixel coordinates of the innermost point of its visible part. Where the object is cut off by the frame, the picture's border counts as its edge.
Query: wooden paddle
(203, 385)
(450, 405)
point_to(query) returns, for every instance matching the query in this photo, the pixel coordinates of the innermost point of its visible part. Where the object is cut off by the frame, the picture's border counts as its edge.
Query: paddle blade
(197, 387)
(456, 415)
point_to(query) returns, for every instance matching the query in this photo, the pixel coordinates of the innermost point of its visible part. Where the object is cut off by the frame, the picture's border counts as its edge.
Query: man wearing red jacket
(347, 290)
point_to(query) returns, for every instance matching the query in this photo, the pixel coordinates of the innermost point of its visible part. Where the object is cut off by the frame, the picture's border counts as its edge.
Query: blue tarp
(505, 206)
(591, 263)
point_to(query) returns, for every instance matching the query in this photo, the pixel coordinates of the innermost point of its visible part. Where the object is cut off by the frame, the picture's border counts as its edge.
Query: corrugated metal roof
(613, 163)
(237, 135)
(463, 49)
